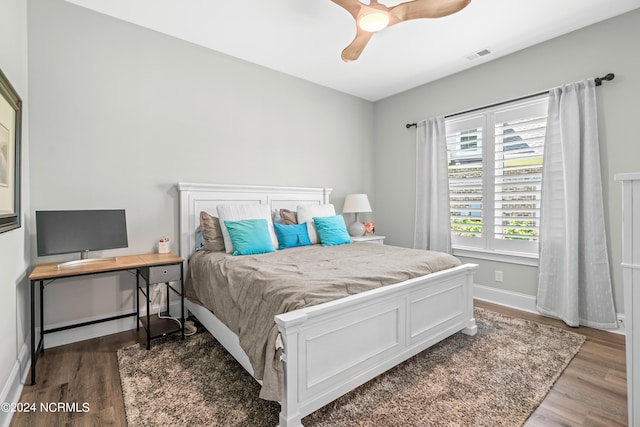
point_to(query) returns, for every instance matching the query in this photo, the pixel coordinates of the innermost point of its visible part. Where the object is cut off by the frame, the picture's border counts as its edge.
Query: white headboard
(195, 198)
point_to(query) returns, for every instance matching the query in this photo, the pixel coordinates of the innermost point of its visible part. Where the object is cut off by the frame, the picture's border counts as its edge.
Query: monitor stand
(84, 259)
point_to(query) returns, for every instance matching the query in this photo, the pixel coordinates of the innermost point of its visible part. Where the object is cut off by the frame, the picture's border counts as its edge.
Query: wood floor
(590, 392)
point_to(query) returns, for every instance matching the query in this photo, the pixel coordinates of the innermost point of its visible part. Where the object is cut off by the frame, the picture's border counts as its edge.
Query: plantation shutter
(519, 150)
(466, 175)
(495, 170)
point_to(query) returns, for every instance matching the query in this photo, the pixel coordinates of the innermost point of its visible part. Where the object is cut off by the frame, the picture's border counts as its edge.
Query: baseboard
(12, 389)
(621, 325)
(82, 333)
(523, 302)
(510, 299)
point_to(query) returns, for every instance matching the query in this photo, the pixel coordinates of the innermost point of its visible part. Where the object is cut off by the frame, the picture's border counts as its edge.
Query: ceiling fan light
(373, 22)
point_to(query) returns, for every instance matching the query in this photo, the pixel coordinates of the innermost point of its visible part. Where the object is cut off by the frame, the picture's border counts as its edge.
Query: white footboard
(332, 348)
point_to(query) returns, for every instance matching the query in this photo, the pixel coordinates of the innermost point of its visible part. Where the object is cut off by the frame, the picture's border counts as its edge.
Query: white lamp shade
(355, 203)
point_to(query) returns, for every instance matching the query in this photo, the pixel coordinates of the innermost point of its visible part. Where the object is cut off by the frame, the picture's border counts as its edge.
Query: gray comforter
(246, 292)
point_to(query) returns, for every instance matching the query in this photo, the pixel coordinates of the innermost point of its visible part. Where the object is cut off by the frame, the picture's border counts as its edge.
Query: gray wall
(122, 113)
(609, 46)
(14, 248)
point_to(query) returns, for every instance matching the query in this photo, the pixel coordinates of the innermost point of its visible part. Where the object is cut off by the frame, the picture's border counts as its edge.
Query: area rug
(495, 378)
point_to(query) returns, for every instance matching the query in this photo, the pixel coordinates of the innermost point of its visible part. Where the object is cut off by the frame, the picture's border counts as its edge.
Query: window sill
(510, 257)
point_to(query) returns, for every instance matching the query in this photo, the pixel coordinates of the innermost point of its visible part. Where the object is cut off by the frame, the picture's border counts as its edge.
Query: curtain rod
(598, 81)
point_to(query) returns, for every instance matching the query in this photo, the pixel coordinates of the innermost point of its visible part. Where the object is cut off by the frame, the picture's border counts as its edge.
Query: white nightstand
(369, 239)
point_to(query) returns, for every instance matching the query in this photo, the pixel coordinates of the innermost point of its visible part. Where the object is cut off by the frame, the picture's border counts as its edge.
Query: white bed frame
(332, 348)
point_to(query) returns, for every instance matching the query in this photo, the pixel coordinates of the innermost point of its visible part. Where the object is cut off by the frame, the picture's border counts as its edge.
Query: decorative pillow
(250, 236)
(288, 217)
(332, 230)
(211, 232)
(306, 213)
(242, 212)
(276, 217)
(199, 239)
(290, 236)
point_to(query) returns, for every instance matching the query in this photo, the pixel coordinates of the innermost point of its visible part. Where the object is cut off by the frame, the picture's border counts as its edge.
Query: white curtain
(575, 281)
(432, 227)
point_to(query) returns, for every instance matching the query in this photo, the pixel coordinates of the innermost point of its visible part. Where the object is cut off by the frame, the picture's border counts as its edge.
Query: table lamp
(356, 203)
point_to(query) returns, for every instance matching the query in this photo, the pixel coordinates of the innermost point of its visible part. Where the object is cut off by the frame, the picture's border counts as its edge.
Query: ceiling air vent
(478, 54)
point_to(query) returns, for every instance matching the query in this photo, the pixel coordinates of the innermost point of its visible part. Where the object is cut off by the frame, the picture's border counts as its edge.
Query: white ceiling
(305, 38)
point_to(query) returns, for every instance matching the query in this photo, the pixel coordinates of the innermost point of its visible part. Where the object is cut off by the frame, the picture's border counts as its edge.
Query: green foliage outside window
(520, 233)
(473, 228)
(467, 227)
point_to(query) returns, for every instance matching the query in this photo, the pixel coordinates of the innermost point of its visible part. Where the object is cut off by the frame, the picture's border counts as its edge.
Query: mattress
(246, 292)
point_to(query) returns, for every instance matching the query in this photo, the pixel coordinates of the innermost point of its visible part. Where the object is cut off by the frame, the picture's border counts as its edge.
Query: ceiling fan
(374, 16)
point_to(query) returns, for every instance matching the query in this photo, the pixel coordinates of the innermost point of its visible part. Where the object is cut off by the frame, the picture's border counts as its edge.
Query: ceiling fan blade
(351, 6)
(353, 51)
(417, 9)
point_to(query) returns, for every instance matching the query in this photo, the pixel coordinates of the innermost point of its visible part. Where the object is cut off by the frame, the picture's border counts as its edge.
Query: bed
(326, 349)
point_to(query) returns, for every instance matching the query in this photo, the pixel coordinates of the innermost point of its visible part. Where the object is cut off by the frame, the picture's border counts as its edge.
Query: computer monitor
(68, 231)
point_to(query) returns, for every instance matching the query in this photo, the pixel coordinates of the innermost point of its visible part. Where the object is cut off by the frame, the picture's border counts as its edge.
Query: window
(495, 170)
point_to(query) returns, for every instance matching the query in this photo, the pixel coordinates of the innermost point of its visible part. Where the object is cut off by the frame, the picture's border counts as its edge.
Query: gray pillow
(288, 217)
(212, 233)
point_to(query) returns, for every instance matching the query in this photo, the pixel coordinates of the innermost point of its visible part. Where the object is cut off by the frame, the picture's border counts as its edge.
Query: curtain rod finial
(608, 78)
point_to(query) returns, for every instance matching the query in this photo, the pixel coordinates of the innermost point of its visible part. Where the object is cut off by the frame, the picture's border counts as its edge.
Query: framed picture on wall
(10, 139)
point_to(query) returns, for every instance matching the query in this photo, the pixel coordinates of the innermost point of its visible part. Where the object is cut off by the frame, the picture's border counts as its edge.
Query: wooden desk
(50, 272)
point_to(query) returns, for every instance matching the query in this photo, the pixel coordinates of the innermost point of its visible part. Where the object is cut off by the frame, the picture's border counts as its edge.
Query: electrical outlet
(499, 277)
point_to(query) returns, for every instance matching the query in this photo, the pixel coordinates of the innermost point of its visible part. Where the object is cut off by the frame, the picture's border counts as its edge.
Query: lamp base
(356, 229)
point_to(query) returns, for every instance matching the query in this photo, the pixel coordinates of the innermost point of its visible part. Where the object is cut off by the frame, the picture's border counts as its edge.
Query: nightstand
(167, 273)
(369, 239)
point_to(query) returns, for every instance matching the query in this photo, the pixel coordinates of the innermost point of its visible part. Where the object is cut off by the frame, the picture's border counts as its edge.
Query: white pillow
(306, 213)
(242, 212)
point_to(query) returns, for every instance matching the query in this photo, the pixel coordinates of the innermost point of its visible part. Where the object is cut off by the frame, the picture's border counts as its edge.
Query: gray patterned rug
(496, 378)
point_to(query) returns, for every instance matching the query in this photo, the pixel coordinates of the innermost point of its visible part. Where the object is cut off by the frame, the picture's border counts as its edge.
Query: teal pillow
(290, 236)
(250, 236)
(332, 230)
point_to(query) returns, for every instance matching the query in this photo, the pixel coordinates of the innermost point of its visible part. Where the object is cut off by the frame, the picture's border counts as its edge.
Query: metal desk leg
(33, 333)
(137, 299)
(166, 310)
(35, 348)
(148, 320)
(41, 343)
(182, 298)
